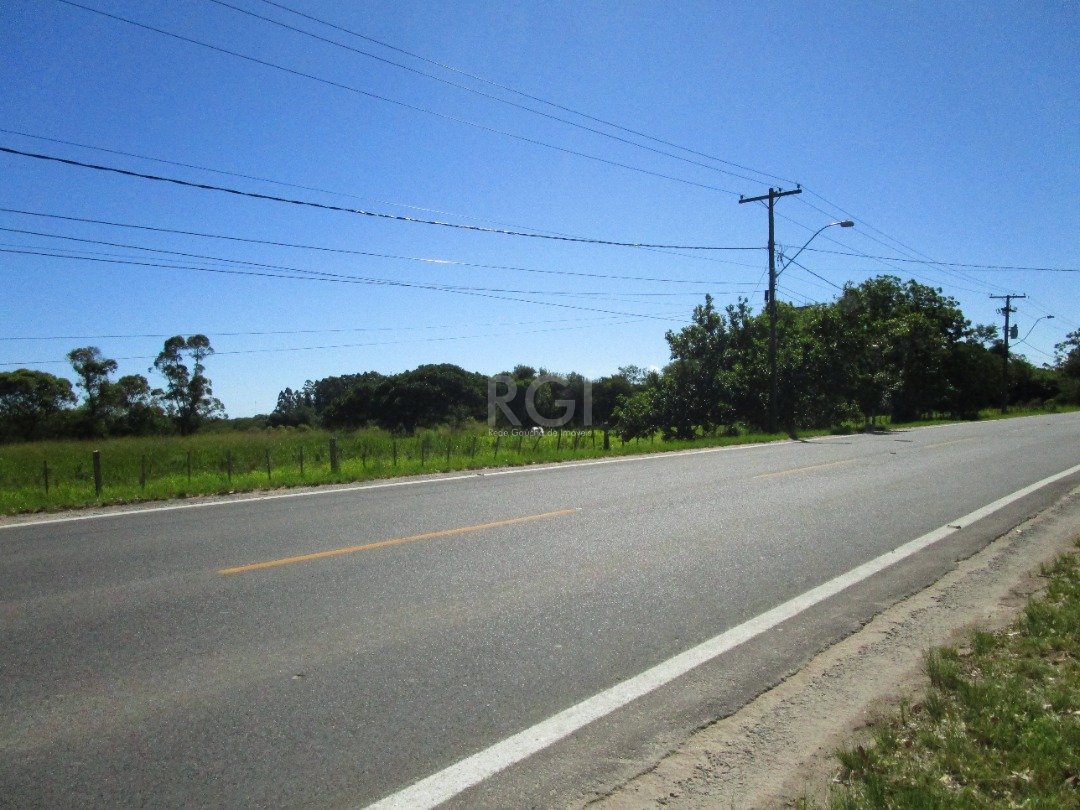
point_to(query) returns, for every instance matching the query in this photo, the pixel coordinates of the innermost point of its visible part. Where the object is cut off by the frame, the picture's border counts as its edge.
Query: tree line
(882, 348)
(38, 405)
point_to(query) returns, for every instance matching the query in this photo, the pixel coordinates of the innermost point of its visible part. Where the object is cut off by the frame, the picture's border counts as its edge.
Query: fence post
(267, 465)
(97, 473)
(607, 440)
(142, 472)
(423, 452)
(393, 449)
(45, 470)
(189, 466)
(558, 441)
(449, 448)
(228, 465)
(301, 461)
(334, 464)
(498, 439)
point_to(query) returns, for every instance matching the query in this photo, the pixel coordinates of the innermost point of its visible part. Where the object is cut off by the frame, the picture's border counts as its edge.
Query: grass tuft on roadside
(998, 727)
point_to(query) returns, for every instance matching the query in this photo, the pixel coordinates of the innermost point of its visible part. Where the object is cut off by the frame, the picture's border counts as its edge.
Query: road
(334, 648)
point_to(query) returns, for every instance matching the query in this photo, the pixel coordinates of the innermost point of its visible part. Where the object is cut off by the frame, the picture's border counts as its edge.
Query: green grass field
(53, 475)
(157, 468)
(999, 726)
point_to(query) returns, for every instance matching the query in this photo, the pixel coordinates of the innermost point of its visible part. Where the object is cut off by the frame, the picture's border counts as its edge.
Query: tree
(137, 411)
(93, 370)
(188, 396)
(30, 404)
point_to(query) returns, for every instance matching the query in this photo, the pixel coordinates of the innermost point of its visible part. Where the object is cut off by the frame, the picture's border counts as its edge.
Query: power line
(228, 173)
(931, 262)
(481, 93)
(276, 350)
(523, 94)
(325, 274)
(337, 278)
(387, 99)
(815, 275)
(424, 260)
(264, 333)
(346, 210)
(243, 176)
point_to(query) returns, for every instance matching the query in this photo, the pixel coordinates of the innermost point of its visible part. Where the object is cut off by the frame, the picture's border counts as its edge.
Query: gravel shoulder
(779, 748)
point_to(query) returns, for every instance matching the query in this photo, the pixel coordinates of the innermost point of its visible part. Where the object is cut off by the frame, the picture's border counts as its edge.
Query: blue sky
(947, 131)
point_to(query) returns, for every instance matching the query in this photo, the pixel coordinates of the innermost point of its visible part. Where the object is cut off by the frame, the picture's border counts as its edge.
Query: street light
(773, 275)
(843, 223)
(1032, 329)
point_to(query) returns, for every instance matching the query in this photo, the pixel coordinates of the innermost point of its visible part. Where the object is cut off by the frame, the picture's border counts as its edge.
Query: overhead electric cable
(343, 209)
(263, 333)
(932, 262)
(432, 261)
(481, 93)
(257, 178)
(277, 349)
(328, 275)
(341, 279)
(397, 102)
(523, 94)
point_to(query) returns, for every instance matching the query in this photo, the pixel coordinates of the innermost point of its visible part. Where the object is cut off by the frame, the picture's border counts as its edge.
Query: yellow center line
(396, 541)
(805, 469)
(942, 444)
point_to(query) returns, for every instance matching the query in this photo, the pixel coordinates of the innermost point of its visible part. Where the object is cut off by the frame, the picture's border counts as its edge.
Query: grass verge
(998, 727)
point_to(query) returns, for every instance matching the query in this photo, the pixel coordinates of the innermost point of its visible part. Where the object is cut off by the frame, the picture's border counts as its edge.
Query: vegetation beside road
(156, 468)
(53, 475)
(999, 726)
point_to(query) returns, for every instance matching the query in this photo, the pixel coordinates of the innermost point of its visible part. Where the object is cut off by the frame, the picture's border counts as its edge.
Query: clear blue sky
(953, 128)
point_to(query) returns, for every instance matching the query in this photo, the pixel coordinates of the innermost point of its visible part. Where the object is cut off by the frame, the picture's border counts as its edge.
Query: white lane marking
(447, 783)
(410, 482)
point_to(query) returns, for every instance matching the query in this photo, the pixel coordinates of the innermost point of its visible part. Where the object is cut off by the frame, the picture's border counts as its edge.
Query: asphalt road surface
(334, 648)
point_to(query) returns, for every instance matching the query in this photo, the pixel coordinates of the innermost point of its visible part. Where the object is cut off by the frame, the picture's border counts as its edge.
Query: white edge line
(447, 783)
(410, 482)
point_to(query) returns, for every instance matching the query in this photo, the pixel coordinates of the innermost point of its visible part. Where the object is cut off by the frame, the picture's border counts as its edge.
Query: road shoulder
(780, 746)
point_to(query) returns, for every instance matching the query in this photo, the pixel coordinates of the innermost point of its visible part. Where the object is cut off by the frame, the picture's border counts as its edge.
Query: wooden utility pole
(773, 195)
(1006, 310)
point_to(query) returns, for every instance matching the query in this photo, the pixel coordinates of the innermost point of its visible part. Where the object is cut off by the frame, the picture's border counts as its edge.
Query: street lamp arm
(1032, 329)
(844, 223)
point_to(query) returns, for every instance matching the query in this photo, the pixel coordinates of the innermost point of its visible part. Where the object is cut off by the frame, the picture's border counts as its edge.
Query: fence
(71, 472)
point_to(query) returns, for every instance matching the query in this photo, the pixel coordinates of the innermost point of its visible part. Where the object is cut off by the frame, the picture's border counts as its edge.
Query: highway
(334, 648)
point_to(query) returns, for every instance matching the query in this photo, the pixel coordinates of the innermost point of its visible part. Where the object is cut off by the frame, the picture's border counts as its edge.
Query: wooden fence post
(607, 440)
(335, 465)
(142, 472)
(45, 470)
(97, 473)
(301, 461)
(267, 465)
(449, 449)
(498, 439)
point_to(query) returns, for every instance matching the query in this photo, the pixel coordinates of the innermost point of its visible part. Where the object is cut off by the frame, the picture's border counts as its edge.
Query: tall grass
(155, 468)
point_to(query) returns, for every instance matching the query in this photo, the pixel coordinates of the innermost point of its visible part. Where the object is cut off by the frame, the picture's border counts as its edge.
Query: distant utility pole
(1006, 310)
(773, 195)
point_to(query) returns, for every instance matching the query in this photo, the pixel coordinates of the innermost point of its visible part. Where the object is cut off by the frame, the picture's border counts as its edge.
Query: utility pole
(773, 195)
(1006, 310)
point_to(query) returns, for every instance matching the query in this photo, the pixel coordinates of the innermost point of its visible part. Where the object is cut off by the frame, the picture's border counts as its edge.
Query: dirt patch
(780, 746)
